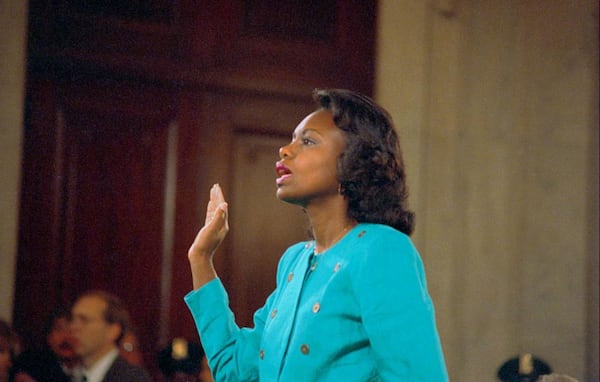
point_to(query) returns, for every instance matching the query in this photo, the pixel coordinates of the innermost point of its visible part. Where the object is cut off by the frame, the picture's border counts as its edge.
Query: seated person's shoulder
(123, 369)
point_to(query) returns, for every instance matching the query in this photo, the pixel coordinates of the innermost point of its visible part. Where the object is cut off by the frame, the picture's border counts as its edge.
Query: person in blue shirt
(351, 304)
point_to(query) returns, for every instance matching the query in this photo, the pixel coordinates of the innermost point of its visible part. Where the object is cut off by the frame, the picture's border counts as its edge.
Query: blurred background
(116, 117)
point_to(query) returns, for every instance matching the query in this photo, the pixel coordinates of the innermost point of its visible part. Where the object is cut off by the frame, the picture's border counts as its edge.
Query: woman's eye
(307, 141)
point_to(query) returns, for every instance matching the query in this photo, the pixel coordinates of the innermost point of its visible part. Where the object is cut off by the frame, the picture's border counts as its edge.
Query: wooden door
(240, 142)
(100, 191)
(262, 226)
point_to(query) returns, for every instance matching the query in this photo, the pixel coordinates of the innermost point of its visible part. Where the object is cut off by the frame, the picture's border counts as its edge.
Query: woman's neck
(329, 226)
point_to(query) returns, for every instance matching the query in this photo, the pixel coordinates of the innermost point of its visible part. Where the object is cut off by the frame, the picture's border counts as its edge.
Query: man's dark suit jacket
(122, 371)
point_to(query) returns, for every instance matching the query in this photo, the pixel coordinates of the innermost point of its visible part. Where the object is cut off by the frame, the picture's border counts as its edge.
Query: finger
(226, 215)
(210, 212)
(214, 191)
(219, 194)
(223, 211)
(219, 220)
(213, 203)
(218, 216)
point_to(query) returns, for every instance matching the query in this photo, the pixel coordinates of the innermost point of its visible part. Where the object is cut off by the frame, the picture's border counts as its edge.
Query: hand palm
(215, 226)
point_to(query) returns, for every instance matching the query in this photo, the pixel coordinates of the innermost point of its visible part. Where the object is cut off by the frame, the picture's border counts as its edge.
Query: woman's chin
(287, 197)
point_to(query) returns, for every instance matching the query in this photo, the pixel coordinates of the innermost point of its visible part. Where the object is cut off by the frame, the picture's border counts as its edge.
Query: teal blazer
(358, 312)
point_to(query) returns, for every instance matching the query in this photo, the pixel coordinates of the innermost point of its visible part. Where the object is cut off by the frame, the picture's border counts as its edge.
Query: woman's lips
(283, 173)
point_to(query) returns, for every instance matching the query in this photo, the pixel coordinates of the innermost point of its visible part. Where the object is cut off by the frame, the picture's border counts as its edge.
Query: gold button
(273, 313)
(261, 354)
(316, 307)
(337, 267)
(362, 233)
(304, 349)
(290, 276)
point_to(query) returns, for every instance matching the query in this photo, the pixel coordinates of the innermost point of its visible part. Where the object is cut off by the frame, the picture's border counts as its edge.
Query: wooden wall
(133, 110)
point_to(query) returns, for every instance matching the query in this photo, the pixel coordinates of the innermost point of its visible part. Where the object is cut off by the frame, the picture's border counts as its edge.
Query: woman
(351, 304)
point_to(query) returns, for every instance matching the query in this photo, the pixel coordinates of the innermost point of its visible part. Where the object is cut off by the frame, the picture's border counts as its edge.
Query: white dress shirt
(98, 370)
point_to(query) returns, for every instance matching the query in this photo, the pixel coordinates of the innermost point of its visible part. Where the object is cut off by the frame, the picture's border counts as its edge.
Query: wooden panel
(295, 20)
(262, 227)
(116, 167)
(149, 10)
(286, 46)
(220, 132)
(37, 287)
(107, 213)
(97, 33)
(276, 44)
(193, 176)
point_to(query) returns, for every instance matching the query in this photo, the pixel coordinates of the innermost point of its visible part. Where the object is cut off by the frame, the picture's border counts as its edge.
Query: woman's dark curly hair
(371, 169)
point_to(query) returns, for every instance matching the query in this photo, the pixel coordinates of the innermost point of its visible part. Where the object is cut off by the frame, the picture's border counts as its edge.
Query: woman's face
(307, 171)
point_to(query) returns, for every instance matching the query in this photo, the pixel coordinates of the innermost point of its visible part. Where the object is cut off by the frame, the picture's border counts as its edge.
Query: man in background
(98, 321)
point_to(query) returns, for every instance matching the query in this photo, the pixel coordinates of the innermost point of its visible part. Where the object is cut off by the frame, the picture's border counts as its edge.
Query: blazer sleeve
(397, 311)
(232, 352)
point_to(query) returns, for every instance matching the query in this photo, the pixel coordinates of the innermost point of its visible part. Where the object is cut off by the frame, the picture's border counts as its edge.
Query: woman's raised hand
(208, 238)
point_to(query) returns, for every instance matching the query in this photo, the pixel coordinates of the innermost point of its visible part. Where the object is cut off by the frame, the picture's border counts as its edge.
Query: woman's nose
(284, 151)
